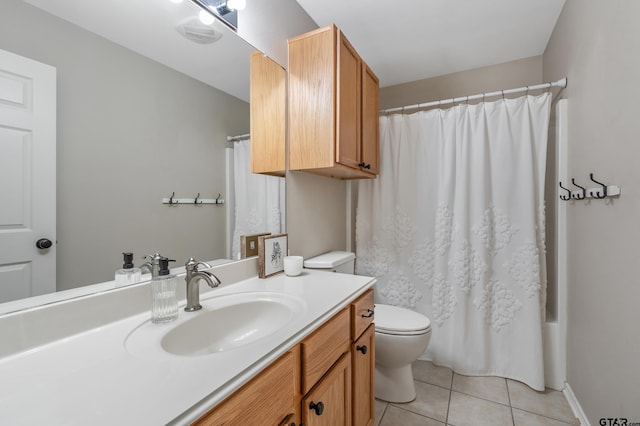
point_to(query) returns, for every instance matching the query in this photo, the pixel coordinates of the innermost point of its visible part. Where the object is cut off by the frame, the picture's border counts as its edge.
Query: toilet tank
(336, 261)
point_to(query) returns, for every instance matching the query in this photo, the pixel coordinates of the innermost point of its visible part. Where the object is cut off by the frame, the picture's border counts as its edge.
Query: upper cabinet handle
(318, 408)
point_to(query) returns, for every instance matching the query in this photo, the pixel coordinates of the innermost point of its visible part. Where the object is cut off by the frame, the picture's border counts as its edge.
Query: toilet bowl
(401, 337)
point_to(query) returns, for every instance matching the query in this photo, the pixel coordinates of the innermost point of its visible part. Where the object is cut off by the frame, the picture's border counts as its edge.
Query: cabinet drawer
(268, 397)
(323, 348)
(361, 314)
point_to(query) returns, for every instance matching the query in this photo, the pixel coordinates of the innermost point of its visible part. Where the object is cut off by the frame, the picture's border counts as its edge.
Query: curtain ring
(549, 85)
(502, 94)
(466, 101)
(483, 97)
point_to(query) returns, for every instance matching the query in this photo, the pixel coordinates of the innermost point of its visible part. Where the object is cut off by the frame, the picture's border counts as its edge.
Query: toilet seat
(398, 321)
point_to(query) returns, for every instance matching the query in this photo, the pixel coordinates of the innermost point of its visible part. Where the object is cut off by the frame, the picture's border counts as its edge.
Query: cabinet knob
(362, 349)
(369, 314)
(317, 407)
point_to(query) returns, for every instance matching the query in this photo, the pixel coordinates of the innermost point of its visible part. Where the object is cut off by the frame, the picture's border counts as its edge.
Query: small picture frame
(249, 244)
(271, 252)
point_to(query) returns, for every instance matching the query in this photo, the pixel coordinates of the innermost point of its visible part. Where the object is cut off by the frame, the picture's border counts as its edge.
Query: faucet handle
(152, 257)
(193, 264)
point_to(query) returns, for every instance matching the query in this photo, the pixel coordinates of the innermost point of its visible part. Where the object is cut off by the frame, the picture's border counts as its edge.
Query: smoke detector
(197, 32)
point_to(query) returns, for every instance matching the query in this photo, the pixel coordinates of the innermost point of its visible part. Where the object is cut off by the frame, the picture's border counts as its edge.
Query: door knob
(43, 243)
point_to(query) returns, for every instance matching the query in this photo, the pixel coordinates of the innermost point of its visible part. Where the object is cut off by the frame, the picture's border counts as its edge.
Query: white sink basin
(224, 324)
(228, 327)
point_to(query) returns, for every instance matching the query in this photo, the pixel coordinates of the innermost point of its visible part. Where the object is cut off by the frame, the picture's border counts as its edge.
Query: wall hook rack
(602, 191)
(196, 201)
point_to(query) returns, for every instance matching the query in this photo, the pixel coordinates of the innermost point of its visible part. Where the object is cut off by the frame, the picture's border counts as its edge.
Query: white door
(27, 177)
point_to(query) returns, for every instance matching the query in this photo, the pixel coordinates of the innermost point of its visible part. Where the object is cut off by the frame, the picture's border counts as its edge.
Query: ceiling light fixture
(236, 4)
(206, 17)
(226, 11)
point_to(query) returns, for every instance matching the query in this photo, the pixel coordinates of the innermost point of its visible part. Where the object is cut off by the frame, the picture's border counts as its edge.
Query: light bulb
(236, 4)
(206, 18)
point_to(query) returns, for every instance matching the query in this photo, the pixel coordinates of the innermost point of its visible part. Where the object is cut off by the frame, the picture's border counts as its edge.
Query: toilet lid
(394, 320)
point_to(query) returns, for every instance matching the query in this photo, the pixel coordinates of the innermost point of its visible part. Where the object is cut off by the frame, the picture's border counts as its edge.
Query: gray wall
(518, 73)
(130, 131)
(267, 25)
(596, 44)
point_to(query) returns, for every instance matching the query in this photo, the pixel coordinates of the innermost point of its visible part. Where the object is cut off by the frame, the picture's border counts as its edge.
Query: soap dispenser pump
(164, 304)
(128, 274)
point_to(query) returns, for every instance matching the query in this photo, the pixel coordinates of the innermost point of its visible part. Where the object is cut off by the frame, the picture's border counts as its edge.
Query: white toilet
(401, 336)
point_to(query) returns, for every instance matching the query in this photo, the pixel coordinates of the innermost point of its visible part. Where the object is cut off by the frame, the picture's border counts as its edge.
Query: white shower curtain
(454, 228)
(259, 199)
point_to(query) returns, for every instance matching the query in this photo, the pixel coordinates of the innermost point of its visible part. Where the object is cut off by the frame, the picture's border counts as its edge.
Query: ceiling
(148, 27)
(419, 39)
(409, 40)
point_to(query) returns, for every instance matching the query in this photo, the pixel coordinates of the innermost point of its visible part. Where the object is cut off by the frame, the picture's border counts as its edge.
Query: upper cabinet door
(326, 107)
(268, 115)
(370, 154)
(348, 104)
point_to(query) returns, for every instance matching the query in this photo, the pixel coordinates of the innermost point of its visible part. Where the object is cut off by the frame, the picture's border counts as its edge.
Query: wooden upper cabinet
(333, 107)
(268, 115)
(370, 153)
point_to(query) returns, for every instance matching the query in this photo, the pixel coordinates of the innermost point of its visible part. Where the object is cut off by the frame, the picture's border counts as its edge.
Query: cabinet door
(268, 397)
(370, 123)
(348, 104)
(363, 371)
(329, 402)
(268, 106)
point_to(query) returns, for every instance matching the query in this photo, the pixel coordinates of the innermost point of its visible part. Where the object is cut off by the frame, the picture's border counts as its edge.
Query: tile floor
(446, 398)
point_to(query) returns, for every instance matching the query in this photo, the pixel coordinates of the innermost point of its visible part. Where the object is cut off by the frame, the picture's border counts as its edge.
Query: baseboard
(575, 405)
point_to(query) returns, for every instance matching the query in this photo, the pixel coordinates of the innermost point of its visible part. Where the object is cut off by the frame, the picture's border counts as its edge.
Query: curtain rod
(560, 83)
(239, 138)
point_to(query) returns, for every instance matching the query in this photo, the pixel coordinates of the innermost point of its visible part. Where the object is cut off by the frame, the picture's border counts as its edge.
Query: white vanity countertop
(92, 378)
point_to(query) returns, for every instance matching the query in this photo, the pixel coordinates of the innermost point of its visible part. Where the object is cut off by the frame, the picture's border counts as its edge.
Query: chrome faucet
(152, 264)
(192, 278)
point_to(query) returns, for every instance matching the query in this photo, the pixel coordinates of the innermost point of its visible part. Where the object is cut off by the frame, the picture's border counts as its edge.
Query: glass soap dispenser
(128, 274)
(164, 300)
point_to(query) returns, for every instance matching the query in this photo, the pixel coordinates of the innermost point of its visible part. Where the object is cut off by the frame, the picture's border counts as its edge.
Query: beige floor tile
(426, 372)
(524, 418)
(491, 388)
(380, 407)
(431, 401)
(395, 416)
(465, 410)
(549, 403)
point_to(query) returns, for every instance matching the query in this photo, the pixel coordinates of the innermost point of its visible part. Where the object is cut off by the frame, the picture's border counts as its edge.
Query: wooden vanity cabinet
(333, 107)
(268, 397)
(363, 372)
(268, 96)
(327, 379)
(363, 363)
(329, 402)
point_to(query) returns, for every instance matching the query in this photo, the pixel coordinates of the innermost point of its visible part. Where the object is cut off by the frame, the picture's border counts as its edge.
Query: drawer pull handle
(362, 349)
(318, 408)
(369, 314)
